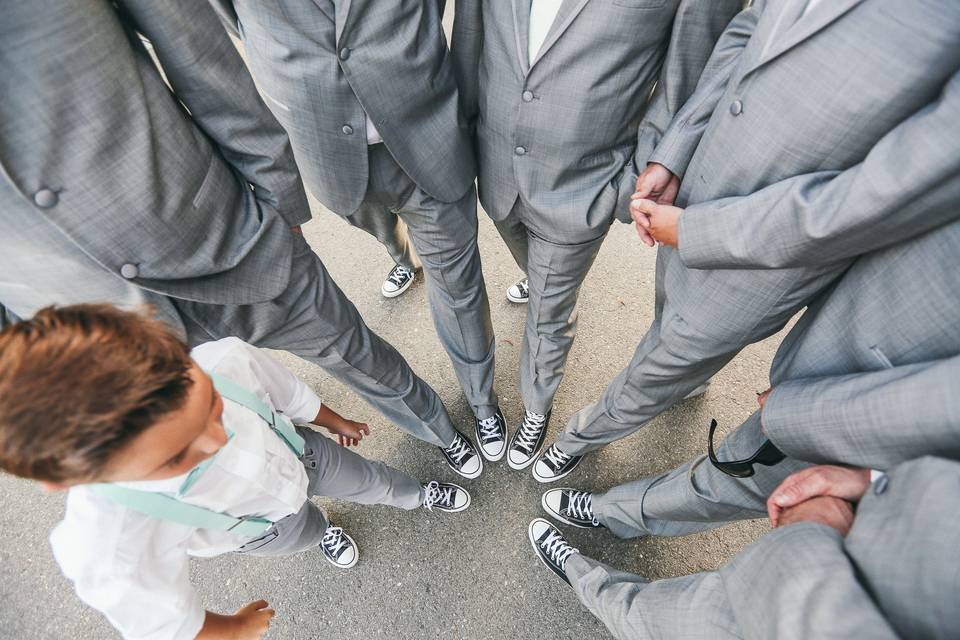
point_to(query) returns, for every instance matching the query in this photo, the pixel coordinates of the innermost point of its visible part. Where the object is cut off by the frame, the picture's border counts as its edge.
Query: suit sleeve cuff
(697, 242)
(784, 414)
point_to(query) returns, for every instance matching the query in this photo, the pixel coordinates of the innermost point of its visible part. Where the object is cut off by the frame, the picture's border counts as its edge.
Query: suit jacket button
(347, 130)
(344, 53)
(528, 96)
(129, 271)
(520, 151)
(46, 198)
(880, 485)
(736, 108)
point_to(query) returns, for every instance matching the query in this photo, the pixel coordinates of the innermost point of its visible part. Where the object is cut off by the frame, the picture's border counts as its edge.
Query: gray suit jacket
(153, 182)
(870, 374)
(814, 140)
(894, 575)
(321, 63)
(563, 132)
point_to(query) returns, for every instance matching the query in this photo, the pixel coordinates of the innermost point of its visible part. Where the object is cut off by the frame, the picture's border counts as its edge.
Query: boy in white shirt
(169, 453)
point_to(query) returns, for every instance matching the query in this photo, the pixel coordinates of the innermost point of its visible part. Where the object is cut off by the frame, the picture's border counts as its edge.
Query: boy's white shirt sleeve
(142, 588)
(289, 393)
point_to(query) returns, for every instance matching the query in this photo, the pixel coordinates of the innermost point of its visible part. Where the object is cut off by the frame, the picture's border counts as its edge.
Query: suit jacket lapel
(569, 10)
(341, 13)
(821, 16)
(521, 26)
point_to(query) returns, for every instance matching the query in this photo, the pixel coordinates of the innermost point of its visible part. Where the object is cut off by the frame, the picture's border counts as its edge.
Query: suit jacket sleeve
(208, 76)
(677, 145)
(696, 29)
(797, 582)
(876, 419)
(466, 47)
(907, 184)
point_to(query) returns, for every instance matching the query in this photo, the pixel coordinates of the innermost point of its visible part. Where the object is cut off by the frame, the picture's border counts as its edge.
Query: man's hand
(762, 397)
(830, 511)
(248, 623)
(658, 184)
(658, 221)
(823, 480)
(297, 229)
(349, 433)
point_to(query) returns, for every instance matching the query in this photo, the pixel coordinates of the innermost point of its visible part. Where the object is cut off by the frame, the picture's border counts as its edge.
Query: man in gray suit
(880, 350)
(116, 187)
(811, 138)
(822, 573)
(367, 93)
(556, 90)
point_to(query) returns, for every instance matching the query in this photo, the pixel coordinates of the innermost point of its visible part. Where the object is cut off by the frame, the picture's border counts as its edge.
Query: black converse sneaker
(338, 548)
(445, 496)
(528, 440)
(519, 292)
(551, 547)
(492, 436)
(463, 457)
(571, 507)
(554, 464)
(398, 280)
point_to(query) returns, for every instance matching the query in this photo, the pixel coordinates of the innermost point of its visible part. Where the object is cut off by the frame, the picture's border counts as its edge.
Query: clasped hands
(825, 493)
(651, 206)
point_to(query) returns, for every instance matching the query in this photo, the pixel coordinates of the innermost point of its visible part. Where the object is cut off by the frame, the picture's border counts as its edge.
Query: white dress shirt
(373, 136)
(542, 15)
(134, 568)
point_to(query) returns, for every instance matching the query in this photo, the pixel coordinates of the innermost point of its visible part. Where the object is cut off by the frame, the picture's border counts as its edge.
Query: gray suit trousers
(695, 496)
(555, 270)
(312, 318)
(633, 608)
(389, 230)
(717, 313)
(445, 238)
(334, 472)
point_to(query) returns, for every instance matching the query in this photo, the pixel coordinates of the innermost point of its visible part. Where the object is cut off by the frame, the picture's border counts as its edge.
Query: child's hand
(349, 433)
(253, 620)
(248, 623)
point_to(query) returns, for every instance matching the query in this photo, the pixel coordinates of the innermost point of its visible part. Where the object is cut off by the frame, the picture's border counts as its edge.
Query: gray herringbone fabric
(586, 93)
(891, 577)
(80, 98)
(558, 140)
(334, 472)
(145, 190)
(867, 377)
(322, 63)
(784, 126)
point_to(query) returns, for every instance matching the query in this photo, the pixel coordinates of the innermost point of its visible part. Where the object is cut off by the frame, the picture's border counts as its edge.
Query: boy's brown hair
(78, 383)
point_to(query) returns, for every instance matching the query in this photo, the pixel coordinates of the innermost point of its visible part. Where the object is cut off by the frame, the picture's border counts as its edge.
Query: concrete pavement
(432, 575)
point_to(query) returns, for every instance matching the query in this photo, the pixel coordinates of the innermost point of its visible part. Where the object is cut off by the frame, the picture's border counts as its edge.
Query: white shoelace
(529, 431)
(490, 429)
(556, 457)
(523, 286)
(399, 275)
(435, 494)
(580, 506)
(333, 541)
(557, 549)
(459, 450)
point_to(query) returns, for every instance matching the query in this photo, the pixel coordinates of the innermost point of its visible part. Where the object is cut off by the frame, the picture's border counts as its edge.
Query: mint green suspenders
(166, 507)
